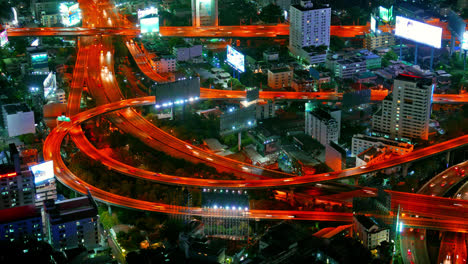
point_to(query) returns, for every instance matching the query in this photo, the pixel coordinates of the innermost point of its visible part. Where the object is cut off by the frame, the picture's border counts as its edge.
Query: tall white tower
(309, 26)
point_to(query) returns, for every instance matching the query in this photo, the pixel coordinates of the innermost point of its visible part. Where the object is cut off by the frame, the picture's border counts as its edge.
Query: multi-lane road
(420, 204)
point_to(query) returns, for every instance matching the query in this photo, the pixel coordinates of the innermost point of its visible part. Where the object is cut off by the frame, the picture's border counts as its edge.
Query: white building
(309, 26)
(370, 231)
(18, 119)
(72, 223)
(324, 126)
(363, 142)
(16, 189)
(405, 113)
(280, 78)
(21, 222)
(164, 63)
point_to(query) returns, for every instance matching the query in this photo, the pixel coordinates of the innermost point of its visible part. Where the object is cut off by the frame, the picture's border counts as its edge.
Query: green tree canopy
(271, 14)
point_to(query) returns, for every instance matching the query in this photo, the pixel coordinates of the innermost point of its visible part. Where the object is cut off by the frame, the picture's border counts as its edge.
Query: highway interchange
(450, 213)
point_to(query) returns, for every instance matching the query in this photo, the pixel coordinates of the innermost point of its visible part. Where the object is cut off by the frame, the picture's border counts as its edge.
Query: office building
(405, 113)
(16, 188)
(370, 231)
(21, 222)
(374, 41)
(363, 142)
(309, 26)
(71, 223)
(323, 125)
(280, 78)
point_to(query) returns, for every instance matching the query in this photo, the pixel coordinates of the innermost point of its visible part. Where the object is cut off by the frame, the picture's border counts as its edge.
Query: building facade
(347, 68)
(187, 52)
(16, 189)
(309, 26)
(265, 109)
(21, 222)
(405, 113)
(322, 125)
(71, 223)
(363, 142)
(164, 63)
(280, 78)
(370, 231)
(374, 41)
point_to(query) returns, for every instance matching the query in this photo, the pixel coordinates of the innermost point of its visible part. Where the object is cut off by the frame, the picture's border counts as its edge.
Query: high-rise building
(204, 13)
(16, 188)
(71, 223)
(322, 125)
(405, 113)
(20, 222)
(309, 26)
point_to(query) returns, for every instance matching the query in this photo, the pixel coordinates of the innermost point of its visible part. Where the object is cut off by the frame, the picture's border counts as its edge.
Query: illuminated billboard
(149, 25)
(39, 58)
(43, 172)
(464, 44)
(70, 13)
(418, 32)
(147, 12)
(386, 14)
(3, 38)
(235, 59)
(373, 24)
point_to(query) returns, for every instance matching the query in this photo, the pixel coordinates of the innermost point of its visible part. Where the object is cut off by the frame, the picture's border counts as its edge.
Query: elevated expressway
(52, 152)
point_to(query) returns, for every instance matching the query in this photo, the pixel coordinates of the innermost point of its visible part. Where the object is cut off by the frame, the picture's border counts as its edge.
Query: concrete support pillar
(239, 141)
(109, 209)
(452, 44)
(447, 158)
(290, 195)
(404, 169)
